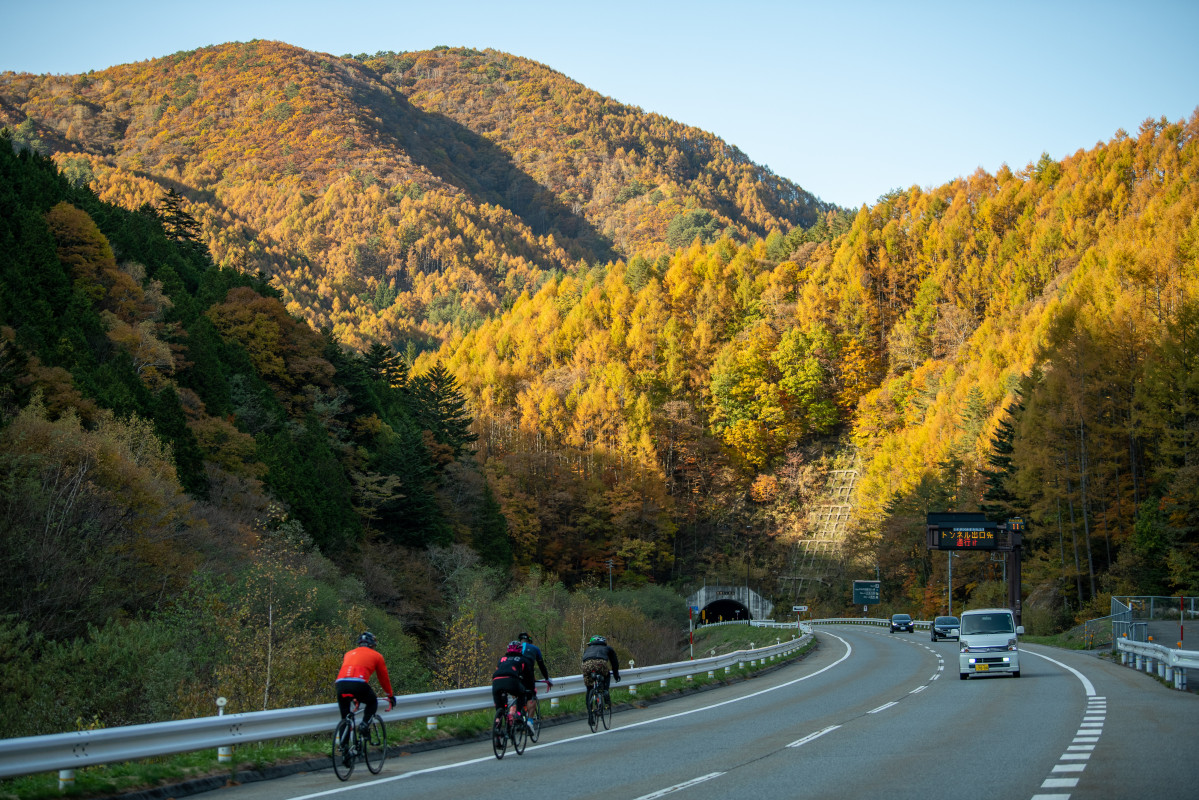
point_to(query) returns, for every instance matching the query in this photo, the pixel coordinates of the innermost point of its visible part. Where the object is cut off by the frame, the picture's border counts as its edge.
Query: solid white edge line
(678, 786)
(1087, 686)
(483, 759)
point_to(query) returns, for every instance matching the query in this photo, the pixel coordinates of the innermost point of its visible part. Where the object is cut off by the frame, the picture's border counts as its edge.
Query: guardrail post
(1138, 666)
(632, 686)
(224, 753)
(66, 779)
(1169, 673)
(711, 674)
(431, 723)
(554, 702)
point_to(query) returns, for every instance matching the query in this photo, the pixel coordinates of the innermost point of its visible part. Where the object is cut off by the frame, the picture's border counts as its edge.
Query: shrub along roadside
(178, 770)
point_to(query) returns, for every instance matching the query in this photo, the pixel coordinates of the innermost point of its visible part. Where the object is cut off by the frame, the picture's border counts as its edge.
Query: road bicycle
(350, 743)
(599, 702)
(533, 716)
(508, 728)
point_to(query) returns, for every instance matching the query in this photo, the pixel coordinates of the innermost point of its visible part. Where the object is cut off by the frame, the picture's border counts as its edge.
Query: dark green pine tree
(386, 365)
(441, 409)
(171, 424)
(490, 538)
(998, 502)
(178, 224)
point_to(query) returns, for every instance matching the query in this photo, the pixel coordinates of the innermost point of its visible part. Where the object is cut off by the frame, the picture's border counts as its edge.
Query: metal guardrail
(68, 751)
(923, 624)
(1172, 665)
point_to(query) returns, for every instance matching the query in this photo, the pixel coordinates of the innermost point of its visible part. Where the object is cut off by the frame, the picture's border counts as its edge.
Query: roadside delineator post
(224, 753)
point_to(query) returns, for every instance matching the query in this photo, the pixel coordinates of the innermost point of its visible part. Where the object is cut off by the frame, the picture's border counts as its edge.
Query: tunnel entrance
(723, 611)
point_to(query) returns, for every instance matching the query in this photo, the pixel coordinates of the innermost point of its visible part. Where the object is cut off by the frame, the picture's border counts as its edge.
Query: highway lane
(867, 714)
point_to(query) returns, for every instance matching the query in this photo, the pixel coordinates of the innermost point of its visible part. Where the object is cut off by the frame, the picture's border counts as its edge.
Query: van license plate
(980, 667)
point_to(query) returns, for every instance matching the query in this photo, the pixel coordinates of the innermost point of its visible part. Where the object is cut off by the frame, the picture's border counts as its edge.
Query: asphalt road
(868, 714)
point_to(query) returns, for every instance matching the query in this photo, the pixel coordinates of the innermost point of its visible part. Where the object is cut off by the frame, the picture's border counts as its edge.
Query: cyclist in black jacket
(599, 656)
(509, 678)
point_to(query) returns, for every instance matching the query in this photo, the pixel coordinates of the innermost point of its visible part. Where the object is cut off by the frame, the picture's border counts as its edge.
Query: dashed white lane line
(678, 786)
(1064, 774)
(813, 736)
(883, 707)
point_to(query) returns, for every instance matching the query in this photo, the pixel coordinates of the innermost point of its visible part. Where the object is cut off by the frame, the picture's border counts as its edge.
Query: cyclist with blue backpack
(533, 653)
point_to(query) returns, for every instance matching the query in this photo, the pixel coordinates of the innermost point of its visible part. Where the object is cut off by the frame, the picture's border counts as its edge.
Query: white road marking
(1084, 740)
(1069, 767)
(883, 707)
(677, 786)
(1059, 783)
(813, 736)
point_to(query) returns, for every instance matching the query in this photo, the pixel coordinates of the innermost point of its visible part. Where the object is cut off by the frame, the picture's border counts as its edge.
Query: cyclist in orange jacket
(353, 680)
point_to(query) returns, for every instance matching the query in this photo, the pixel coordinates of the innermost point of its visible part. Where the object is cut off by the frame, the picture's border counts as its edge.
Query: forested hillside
(199, 489)
(1024, 343)
(396, 198)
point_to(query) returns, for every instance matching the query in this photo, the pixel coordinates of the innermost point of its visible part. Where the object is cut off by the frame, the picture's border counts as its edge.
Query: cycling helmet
(597, 640)
(514, 647)
(524, 637)
(367, 639)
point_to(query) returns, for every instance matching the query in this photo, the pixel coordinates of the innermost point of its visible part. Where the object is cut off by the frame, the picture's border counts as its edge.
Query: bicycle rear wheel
(375, 745)
(499, 737)
(606, 710)
(520, 736)
(343, 758)
(592, 716)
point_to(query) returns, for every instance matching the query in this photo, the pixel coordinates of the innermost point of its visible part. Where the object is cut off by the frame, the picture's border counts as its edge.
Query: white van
(987, 642)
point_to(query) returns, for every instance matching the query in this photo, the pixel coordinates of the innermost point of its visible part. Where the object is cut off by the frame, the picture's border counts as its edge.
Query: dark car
(902, 622)
(945, 628)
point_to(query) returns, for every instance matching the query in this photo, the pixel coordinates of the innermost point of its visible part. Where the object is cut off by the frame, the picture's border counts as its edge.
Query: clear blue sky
(848, 98)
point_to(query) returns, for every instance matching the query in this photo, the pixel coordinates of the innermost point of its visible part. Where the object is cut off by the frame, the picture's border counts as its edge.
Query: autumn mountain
(662, 349)
(397, 197)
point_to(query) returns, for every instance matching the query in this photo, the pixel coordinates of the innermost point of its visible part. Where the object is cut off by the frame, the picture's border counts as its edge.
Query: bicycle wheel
(533, 719)
(343, 754)
(592, 716)
(606, 710)
(499, 736)
(520, 736)
(375, 745)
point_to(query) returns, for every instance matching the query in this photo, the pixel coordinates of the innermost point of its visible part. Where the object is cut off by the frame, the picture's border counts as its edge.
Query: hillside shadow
(462, 158)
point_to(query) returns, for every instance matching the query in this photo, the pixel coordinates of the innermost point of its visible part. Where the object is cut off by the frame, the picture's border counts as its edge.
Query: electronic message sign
(968, 538)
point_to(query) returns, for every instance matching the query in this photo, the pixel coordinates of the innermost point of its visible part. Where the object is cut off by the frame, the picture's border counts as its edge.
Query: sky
(850, 99)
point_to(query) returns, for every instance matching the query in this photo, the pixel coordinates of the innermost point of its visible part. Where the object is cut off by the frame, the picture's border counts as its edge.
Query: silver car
(945, 628)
